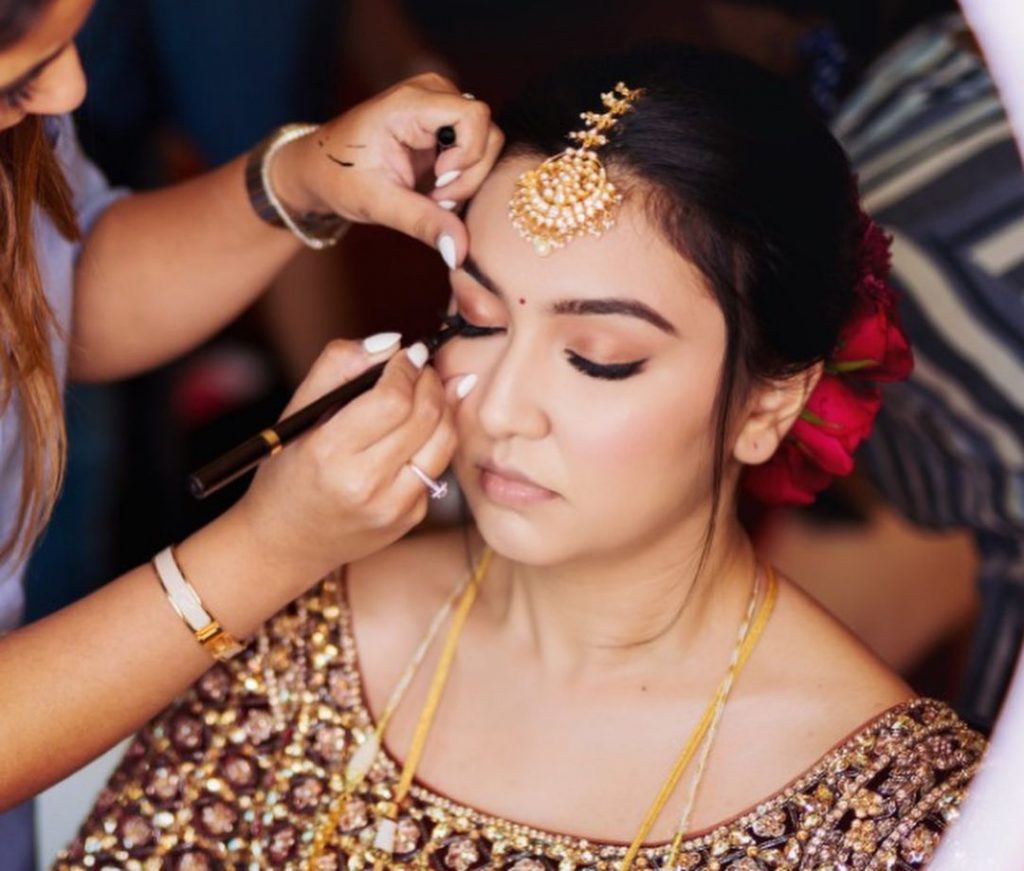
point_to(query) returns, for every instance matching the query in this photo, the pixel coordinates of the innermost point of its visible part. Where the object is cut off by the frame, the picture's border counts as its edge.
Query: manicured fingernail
(466, 385)
(446, 245)
(418, 354)
(381, 342)
(447, 178)
(447, 204)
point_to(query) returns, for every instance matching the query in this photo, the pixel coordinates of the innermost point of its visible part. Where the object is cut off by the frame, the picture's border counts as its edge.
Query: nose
(61, 87)
(510, 400)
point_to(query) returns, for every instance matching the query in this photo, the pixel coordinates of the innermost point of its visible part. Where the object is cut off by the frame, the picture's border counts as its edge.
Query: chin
(531, 537)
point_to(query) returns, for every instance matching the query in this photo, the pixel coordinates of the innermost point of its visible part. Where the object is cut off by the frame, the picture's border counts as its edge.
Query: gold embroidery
(225, 779)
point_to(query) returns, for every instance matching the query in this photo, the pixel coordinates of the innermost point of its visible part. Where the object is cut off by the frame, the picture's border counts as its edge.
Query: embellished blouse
(242, 771)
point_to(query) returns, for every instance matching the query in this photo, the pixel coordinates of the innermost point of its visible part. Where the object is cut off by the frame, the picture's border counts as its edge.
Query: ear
(771, 410)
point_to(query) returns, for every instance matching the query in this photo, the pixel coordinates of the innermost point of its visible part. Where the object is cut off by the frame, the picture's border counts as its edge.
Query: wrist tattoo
(338, 160)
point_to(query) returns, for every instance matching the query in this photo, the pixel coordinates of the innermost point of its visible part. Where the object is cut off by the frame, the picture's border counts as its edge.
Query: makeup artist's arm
(75, 683)
(162, 271)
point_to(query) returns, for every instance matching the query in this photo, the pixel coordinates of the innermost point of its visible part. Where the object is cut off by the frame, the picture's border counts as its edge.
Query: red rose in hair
(841, 410)
(789, 477)
(874, 253)
(872, 344)
(836, 419)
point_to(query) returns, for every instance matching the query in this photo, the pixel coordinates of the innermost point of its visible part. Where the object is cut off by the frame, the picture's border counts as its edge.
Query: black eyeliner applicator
(250, 453)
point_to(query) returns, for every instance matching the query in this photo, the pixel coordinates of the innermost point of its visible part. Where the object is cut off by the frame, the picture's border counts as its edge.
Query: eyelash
(606, 372)
(17, 97)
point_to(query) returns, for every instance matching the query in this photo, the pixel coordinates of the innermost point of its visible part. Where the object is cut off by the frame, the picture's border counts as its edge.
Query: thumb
(340, 361)
(422, 218)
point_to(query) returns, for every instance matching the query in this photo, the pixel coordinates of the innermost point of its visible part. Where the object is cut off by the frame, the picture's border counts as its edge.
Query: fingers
(432, 458)
(422, 218)
(472, 172)
(426, 414)
(376, 414)
(396, 134)
(341, 361)
(428, 102)
(460, 169)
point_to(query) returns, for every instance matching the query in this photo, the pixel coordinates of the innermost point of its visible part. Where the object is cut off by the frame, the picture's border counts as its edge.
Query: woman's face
(40, 74)
(591, 429)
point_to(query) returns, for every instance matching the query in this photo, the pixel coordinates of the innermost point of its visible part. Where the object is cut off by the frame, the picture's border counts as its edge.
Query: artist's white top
(56, 257)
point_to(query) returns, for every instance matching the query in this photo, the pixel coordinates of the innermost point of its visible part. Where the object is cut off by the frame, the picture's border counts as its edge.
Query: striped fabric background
(939, 169)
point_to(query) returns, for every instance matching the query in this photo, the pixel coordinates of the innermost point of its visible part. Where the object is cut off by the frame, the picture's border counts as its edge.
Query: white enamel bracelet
(214, 638)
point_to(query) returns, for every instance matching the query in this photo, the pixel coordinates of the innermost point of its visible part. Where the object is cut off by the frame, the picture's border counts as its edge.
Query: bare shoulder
(809, 687)
(404, 584)
(823, 649)
(811, 664)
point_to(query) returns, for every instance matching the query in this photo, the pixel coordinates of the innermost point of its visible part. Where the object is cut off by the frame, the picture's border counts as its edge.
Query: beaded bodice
(241, 770)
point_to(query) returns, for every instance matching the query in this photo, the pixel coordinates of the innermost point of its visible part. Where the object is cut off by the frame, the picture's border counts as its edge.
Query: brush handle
(239, 460)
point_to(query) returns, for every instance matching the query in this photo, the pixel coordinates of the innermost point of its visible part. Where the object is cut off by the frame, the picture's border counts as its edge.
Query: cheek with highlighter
(646, 438)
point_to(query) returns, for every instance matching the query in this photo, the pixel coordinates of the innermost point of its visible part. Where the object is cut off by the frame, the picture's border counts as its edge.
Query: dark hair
(17, 18)
(742, 178)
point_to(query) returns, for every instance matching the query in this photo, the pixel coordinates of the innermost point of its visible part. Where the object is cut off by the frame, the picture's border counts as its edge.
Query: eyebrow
(603, 306)
(34, 72)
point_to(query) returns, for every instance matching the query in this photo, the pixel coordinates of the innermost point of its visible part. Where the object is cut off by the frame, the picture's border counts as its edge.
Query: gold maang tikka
(569, 194)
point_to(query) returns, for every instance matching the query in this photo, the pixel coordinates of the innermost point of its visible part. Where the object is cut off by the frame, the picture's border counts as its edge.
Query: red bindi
(522, 301)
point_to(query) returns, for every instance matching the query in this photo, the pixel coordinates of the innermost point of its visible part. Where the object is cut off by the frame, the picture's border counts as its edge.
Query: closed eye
(468, 330)
(605, 371)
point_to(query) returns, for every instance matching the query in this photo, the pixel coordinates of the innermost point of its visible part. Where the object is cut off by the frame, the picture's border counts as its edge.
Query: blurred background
(920, 553)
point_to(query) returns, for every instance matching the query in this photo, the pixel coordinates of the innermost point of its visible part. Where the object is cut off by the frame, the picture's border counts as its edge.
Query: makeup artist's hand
(343, 490)
(367, 164)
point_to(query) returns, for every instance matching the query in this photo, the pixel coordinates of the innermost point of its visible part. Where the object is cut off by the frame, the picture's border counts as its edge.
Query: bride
(600, 673)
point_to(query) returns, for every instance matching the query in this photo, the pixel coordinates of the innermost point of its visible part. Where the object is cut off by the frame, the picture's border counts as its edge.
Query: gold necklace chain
(383, 844)
(366, 753)
(745, 644)
(750, 632)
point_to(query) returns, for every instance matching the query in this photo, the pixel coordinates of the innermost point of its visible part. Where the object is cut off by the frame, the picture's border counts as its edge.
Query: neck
(618, 611)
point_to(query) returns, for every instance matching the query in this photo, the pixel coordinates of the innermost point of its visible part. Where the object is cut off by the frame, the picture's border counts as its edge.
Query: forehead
(56, 25)
(631, 259)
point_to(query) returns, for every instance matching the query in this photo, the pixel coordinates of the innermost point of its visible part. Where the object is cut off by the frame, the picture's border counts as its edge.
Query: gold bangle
(208, 632)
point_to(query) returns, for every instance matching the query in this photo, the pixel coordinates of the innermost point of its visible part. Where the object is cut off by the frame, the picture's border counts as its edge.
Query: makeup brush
(250, 453)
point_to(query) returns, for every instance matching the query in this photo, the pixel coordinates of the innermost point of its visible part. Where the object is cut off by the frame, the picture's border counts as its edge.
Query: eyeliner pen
(250, 453)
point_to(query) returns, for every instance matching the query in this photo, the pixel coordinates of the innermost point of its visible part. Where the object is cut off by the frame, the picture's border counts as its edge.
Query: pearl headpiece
(569, 194)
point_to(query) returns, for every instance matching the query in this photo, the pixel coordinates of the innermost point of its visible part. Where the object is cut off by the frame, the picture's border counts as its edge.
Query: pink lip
(509, 487)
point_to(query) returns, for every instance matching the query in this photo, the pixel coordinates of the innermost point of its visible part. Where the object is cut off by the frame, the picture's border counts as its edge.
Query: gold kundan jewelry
(570, 195)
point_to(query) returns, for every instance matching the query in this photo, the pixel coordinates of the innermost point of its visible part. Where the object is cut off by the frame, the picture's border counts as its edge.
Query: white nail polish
(466, 385)
(446, 245)
(418, 354)
(447, 204)
(447, 178)
(381, 342)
